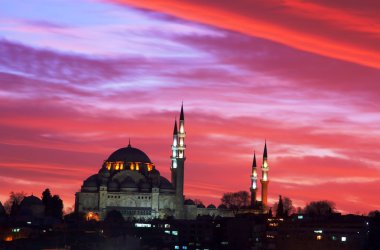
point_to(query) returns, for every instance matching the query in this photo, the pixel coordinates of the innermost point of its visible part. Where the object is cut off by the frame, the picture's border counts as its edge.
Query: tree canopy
(319, 208)
(53, 204)
(236, 201)
(12, 205)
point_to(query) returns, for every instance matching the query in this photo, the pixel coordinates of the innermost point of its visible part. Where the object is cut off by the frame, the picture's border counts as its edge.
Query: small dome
(165, 184)
(31, 201)
(104, 172)
(222, 206)
(189, 202)
(211, 206)
(201, 206)
(129, 154)
(113, 186)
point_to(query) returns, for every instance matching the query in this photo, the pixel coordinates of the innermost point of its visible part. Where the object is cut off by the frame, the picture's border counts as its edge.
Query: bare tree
(14, 201)
(286, 207)
(318, 208)
(235, 201)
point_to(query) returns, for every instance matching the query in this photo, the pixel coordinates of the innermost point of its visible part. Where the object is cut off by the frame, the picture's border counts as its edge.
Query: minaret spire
(254, 182)
(175, 131)
(265, 154)
(182, 117)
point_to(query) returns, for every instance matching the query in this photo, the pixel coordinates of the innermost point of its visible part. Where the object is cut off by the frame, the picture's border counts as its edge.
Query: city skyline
(79, 78)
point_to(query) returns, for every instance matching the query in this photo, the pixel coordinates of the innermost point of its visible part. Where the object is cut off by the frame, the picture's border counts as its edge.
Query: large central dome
(129, 154)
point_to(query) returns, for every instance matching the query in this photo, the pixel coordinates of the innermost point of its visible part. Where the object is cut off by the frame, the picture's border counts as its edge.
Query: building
(129, 182)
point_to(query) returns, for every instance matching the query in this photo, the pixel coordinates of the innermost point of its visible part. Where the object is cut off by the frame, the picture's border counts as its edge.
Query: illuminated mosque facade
(129, 182)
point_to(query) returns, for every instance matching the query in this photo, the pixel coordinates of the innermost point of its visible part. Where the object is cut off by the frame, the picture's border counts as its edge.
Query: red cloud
(337, 32)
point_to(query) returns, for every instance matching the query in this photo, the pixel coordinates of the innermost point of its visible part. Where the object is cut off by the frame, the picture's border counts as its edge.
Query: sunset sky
(78, 78)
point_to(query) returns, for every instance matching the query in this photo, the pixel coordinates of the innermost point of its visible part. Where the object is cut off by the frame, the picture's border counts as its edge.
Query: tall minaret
(254, 182)
(174, 154)
(264, 180)
(181, 155)
(178, 163)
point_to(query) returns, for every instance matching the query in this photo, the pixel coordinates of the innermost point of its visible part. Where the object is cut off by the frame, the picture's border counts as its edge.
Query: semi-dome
(91, 181)
(128, 183)
(211, 206)
(104, 172)
(129, 154)
(144, 186)
(165, 184)
(113, 186)
(189, 202)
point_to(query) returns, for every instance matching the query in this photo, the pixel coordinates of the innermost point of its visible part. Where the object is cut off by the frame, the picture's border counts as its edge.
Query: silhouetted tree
(280, 208)
(319, 208)
(374, 213)
(288, 206)
(56, 207)
(46, 200)
(270, 213)
(13, 201)
(53, 204)
(236, 201)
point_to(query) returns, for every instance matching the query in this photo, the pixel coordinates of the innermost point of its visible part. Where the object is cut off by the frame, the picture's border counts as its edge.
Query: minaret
(174, 155)
(181, 154)
(254, 182)
(178, 163)
(264, 180)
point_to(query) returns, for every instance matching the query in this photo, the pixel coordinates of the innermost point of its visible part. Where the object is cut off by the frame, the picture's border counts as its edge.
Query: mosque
(129, 182)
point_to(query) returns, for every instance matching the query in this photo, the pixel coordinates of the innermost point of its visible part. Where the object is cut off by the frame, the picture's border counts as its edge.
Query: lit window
(137, 166)
(344, 238)
(319, 237)
(132, 166)
(108, 165)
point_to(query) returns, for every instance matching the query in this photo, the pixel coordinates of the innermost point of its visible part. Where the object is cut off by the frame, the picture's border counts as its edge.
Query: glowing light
(8, 238)
(344, 238)
(137, 166)
(143, 225)
(132, 166)
(149, 166)
(265, 176)
(108, 165)
(319, 237)
(92, 216)
(265, 164)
